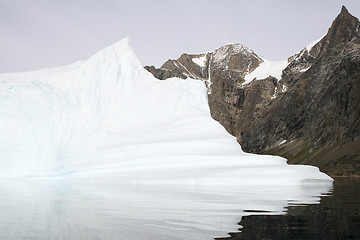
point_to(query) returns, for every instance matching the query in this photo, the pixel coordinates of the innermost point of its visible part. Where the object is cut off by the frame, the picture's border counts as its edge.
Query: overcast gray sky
(46, 33)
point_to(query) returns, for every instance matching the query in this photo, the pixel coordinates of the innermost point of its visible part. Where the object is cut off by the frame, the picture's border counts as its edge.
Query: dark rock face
(183, 67)
(227, 69)
(310, 116)
(319, 115)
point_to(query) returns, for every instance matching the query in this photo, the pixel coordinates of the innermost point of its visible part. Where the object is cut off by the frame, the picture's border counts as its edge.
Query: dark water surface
(336, 217)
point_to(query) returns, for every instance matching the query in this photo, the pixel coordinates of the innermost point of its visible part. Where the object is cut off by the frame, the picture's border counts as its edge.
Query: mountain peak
(345, 18)
(344, 11)
(233, 48)
(344, 28)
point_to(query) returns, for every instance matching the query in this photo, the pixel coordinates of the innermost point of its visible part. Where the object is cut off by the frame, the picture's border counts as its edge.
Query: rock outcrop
(311, 115)
(319, 115)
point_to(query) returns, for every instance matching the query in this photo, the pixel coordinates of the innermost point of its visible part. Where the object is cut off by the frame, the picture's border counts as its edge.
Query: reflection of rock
(315, 106)
(336, 217)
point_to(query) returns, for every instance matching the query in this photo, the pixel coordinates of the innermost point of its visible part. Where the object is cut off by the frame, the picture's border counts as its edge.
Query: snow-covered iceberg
(108, 118)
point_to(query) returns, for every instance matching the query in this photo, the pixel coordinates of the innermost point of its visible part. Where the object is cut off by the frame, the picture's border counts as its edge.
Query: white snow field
(107, 117)
(265, 69)
(102, 150)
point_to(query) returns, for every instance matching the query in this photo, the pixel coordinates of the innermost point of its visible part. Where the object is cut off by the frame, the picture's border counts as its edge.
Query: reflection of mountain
(306, 109)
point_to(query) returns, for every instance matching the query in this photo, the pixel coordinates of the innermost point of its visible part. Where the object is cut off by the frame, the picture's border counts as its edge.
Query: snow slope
(265, 69)
(108, 118)
(201, 61)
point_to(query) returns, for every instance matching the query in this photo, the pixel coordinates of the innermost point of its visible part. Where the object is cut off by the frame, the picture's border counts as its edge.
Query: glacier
(108, 118)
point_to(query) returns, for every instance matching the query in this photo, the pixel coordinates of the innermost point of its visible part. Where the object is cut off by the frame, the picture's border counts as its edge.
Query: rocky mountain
(233, 60)
(306, 109)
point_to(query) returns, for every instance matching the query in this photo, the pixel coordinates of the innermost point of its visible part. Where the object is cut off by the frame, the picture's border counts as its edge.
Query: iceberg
(107, 118)
(102, 149)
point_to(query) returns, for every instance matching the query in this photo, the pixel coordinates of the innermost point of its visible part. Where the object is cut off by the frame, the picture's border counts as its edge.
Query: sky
(39, 34)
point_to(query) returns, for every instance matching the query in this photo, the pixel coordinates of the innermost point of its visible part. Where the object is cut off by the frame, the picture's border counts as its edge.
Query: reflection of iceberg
(108, 211)
(107, 117)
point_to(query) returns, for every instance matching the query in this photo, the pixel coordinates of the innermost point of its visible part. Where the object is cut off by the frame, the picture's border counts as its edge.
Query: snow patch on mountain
(201, 61)
(265, 69)
(304, 70)
(312, 44)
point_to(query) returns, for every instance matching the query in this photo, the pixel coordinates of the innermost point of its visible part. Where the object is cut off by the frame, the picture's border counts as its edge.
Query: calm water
(336, 217)
(67, 210)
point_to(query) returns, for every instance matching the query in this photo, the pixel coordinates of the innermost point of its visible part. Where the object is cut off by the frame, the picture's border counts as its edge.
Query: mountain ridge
(310, 110)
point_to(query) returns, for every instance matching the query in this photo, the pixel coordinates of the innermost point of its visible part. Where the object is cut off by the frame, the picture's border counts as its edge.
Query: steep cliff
(319, 115)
